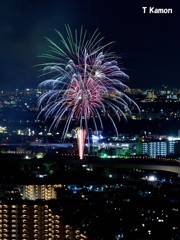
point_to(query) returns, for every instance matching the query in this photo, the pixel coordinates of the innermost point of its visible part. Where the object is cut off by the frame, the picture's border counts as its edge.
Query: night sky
(149, 44)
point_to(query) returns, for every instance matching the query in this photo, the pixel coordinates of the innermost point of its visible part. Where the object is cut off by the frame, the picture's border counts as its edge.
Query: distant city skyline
(148, 43)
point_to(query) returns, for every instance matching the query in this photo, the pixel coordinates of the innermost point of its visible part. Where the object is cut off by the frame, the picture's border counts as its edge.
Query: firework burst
(85, 82)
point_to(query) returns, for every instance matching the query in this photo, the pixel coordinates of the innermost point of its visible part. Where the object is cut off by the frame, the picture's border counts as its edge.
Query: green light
(40, 155)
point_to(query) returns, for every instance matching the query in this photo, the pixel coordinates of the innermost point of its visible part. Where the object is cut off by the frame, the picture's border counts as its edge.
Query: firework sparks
(85, 82)
(81, 140)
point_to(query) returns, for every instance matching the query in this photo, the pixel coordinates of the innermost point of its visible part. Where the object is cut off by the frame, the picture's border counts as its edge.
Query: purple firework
(85, 82)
